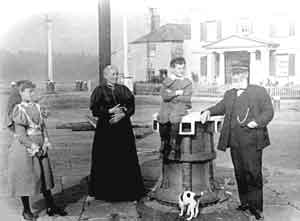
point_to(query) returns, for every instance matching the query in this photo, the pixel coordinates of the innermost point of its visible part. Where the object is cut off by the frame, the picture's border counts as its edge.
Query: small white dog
(190, 201)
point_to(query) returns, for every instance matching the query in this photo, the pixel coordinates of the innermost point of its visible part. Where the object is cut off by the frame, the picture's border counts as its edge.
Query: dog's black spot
(188, 195)
(181, 197)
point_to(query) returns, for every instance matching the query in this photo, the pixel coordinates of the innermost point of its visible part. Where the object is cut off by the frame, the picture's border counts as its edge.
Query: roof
(236, 41)
(167, 33)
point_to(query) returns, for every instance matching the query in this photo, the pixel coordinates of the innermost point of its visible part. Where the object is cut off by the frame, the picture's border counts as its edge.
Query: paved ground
(71, 158)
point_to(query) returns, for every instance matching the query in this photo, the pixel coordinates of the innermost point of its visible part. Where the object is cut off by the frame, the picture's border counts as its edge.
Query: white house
(265, 46)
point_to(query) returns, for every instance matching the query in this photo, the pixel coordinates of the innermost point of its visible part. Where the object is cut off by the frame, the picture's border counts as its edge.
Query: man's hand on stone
(252, 124)
(179, 92)
(204, 116)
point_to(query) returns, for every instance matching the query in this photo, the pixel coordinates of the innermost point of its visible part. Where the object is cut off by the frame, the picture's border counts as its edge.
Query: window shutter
(272, 64)
(217, 64)
(251, 28)
(291, 64)
(219, 30)
(203, 31)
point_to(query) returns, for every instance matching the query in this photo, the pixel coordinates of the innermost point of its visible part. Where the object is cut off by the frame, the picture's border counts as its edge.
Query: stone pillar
(210, 68)
(221, 79)
(252, 68)
(265, 55)
(193, 170)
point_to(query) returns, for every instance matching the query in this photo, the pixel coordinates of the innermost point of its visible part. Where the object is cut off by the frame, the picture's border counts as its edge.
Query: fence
(143, 88)
(284, 92)
(69, 86)
(215, 90)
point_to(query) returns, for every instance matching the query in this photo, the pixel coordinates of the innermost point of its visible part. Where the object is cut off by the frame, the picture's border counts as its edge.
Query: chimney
(155, 19)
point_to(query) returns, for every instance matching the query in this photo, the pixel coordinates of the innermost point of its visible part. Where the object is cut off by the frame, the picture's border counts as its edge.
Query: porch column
(252, 67)
(210, 68)
(221, 79)
(265, 55)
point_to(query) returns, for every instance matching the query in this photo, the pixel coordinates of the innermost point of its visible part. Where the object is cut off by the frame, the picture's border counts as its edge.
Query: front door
(236, 62)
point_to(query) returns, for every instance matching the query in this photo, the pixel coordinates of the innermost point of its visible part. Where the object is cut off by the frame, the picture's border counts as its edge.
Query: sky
(13, 12)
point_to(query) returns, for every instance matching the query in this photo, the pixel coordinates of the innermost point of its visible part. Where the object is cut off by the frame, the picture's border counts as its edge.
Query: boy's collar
(27, 103)
(174, 77)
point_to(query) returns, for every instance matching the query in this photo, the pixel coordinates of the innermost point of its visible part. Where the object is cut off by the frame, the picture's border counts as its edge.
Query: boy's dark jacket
(261, 111)
(173, 106)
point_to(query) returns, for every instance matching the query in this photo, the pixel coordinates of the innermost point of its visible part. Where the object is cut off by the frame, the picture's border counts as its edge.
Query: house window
(244, 26)
(210, 31)
(152, 49)
(283, 65)
(282, 28)
(177, 50)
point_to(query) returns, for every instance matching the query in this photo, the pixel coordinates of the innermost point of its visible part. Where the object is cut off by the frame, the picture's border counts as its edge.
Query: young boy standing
(176, 93)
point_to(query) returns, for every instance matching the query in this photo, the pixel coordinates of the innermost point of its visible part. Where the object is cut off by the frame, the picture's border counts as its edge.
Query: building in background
(219, 47)
(266, 47)
(164, 43)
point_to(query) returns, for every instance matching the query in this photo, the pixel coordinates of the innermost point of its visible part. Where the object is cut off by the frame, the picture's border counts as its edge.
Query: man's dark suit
(246, 144)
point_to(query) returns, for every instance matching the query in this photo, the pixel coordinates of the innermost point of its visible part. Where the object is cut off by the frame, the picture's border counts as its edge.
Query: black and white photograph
(148, 110)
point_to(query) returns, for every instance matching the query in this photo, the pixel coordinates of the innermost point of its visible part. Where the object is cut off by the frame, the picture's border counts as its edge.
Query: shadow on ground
(71, 195)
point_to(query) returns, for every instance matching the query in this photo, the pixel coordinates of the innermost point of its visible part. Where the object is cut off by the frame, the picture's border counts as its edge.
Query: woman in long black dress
(115, 171)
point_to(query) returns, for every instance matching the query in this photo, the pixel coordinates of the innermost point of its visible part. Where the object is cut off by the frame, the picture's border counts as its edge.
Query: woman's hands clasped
(39, 151)
(33, 150)
(117, 114)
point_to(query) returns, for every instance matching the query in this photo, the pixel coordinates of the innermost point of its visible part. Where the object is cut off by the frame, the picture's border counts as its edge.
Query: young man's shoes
(89, 199)
(56, 211)
(242, 207)
(258, 215)
(28, 215)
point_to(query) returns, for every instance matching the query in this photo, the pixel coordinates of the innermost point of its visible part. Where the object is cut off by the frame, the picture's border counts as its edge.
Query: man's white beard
(243, 84)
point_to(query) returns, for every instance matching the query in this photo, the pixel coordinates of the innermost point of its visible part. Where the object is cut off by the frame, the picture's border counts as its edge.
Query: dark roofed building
(152, 52)
(167, 33)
